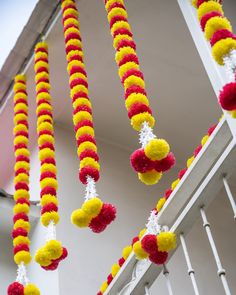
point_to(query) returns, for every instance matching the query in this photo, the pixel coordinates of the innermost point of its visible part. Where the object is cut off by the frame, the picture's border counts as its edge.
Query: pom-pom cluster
(144, 161)
(17, 288)
(83, 122)
(21, 208)
(218, 31)
(45, 130)
(145, 247)
(94, 214)
(22, 166)
(50, 255)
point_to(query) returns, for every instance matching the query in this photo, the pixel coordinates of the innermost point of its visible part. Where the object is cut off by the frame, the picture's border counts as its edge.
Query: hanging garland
(52, 253)
(21, 228)
(94, 213)
(218, 31)
(149, 245)
(154, 158)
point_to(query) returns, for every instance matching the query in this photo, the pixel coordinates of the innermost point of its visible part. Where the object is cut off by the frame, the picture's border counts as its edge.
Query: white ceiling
(180, 93)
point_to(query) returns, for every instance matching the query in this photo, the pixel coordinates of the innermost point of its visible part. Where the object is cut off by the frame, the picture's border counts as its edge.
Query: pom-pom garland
(94, 213)
(146, 243)
(21, 228)
(136, 101)
(218, 31)
(48, 172)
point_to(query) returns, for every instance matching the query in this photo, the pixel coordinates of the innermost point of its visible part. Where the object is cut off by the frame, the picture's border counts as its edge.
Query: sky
(14, 16)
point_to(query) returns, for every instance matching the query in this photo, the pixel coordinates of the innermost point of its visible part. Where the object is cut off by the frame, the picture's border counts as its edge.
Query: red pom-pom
(52, 266)
(117, 18)
(80, 94)
(165, 164)
(20, 216)
(115, 5)
(63, 255)
(134, 89)
(89, 153)
(21, 185)
(82, 124)
(125, 43)
(149, 243)
(168, 193)
(134, 240)
(82, 108)
(199, 2)
(99, 293)
(227, 98)
(211, 129)
(85, 137)
(47, 145)
(182, 172)
(197, 150)
(22, 158)
(96, 225)
(132, 72)
(221, 34)
(121, 261)
(140, 162)
(107, 214)
(158, 257)
(15, 289)
(23, 201)
(48, 191)
(109, 279)
(20, 247)
(47, 174)
(19, 232)
(207, 16)
(129, 58)
(49, 161)
(51, 207)
(88, 171)
(138, 108)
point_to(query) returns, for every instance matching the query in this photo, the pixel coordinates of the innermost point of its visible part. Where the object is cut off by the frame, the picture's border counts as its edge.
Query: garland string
(52, 253)
(218, 31)
(94, 213)
(154, 158)
(20, 232)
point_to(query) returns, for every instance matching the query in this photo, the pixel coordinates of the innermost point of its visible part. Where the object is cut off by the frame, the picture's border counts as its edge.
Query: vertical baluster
(189, 265)
(168, 284)
(220, 269)
(230, 196)
(147, 290)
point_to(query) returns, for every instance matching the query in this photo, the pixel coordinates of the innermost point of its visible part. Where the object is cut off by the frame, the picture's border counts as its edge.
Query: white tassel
(22, 274)
(146, 134)
(51, 231)
(230, 65)
(90, 190)
(153, 227)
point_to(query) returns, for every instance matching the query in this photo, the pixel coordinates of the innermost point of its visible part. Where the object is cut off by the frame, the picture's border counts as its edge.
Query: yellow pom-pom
(216, 23)
(194, 3)
(160, 204)
(43, 119)
(189, 162)
(127, 66)
(126, 252)
(21, 193)
(20, 77)
(116, 11)
(22, 164)
(73, 63)
(223, 48)
(20, 117)
(42, 257)
(174, 184)
(233, 114)
(92, 207)
(150, 177)
(21, 107)
(20, 139)
(23, 224)
(21, 95)
(50, 216)
(166, 241)
(84, 130)
(134, 98)
(45, 126)
(22, 256)
(115, 269)
(46, 153)
(42, 44)
(80, 116)
(48, 181)
(87, 145)
(21, 240)
(134, 81)
(45, 138)
(47, 199)
(42, 107)
(48, 168)
(21, 208)
(54, 248)
(204, 140)
(31, 289)
(20, 127)
(21, 177)
(120, 25)
(123, 52)
(141, 233)
(104, 286)
(139, 119)
(157, 149)
(110, 2)
(81, 101)
(80, 218)
(70, 11)
(23, 151)
(88, 161)
(209, 6)
(138, 250)
(19, 86)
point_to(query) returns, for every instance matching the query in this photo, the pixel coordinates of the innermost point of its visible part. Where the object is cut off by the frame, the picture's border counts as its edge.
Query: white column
(191, 271)
(220, 269)
(168, 284)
